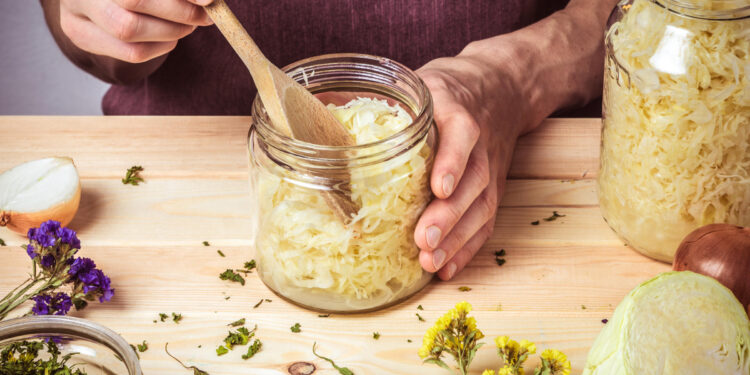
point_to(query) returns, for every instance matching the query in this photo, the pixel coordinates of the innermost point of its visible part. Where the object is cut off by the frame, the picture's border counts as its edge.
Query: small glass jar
(676, 120)
(306, 253)
(95, 349)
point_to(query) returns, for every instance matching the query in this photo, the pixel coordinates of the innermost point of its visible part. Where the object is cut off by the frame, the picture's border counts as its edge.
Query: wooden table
(560, 280)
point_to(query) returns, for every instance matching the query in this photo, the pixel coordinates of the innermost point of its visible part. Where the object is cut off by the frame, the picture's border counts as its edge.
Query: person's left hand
(477, 114)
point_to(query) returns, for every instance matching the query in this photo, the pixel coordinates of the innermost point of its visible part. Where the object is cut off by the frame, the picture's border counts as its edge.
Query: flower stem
(19, 298)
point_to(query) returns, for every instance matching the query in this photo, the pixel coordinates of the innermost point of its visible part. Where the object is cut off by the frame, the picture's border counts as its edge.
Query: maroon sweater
(203, 75)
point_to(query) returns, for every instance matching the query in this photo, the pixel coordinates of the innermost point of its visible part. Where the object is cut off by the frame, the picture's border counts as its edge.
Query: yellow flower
(488, 372)
(463, 307)
(428, 342)
(502, 341)
(558, 362)
(507, 370)
(528, 346)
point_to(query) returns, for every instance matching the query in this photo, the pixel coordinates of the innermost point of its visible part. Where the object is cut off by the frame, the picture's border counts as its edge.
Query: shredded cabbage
(676, 137)
(309, 256)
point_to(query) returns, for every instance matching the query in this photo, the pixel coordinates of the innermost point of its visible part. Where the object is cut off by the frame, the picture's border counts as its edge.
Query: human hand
(133, 31)
(478, 116)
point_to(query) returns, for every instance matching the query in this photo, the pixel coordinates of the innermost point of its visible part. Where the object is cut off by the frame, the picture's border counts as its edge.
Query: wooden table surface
(560, 280)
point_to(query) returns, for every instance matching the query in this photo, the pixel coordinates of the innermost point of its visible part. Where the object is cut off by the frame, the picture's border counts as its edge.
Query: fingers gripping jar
(305, 252)
(676, 126)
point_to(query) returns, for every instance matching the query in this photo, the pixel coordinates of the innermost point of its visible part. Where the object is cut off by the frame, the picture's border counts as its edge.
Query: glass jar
(676, 120)
(306, 253)
(95, 349)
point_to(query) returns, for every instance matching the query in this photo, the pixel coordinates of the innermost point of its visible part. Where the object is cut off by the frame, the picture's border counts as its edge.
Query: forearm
(103, 67)
(553, 64)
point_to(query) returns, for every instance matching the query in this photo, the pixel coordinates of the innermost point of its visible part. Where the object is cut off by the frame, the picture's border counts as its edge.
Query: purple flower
(48, 261)
(99, 284)
(69, 237)
(41, 305)
(45, 304)
(81, 268)
(45, 234)
(31, 251)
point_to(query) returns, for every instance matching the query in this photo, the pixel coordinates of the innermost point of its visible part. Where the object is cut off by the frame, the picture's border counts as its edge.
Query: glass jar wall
(676, 120)
(306, 251)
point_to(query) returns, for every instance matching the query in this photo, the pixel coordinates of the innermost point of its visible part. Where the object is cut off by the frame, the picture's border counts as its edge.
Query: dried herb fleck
(249, 266)
(464, 288)
(237, 323)
(2, 242)
(421, 319)
(260, 302)
(176, 318)
(296, 328)
(196, 371)
(143, 347)
(376, 335)
(254, 348)
(221, 350)
(163, 317)
(535, 222)
(205, 243)
(554, 216)
(323, 315)
(232, 276)
(408, 340)
(221, 253)
(341, 370)
(499, 257)
(132, 176)
(420, 307)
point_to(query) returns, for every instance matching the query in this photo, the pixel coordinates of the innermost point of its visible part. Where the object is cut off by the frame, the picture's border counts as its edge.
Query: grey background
(35, 77)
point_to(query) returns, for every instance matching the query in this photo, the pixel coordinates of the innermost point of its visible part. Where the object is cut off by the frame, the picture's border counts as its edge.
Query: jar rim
(734, 9)
(67, 325)
(420, 125)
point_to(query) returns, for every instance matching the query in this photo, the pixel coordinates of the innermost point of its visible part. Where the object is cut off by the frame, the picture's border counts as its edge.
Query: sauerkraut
(309, 256)
(676, 137)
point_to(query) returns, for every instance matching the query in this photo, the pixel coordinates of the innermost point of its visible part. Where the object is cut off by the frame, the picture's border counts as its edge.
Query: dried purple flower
(81, 268)
(41, 305)
(69, 237)
(48, 261)
(46, 304)
(31, 251)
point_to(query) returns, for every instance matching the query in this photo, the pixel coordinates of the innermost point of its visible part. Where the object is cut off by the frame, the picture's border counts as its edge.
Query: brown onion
(721, 251)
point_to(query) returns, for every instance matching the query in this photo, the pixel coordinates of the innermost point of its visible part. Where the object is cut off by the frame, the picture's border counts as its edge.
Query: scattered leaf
(295, 328)
(132, 176)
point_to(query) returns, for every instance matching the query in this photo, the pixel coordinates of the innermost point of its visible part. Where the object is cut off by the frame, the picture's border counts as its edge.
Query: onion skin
(21, 222)
(721, 251)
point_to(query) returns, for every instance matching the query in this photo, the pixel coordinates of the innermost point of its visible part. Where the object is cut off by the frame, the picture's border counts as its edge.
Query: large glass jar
(676, 125)
(306, 253)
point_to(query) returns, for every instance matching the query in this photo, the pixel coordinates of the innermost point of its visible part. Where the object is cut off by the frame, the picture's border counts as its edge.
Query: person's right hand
(134, 31)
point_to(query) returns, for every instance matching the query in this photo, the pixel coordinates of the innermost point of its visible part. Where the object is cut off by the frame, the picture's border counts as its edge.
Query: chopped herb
(196, 371)
(268, 300)
(554, 216)
(143, 347)
(254, 348)
(176, 318)
(200, 346)
(132, 176)
(341, 370)
(240, 337)
(499, 261)
(323, 315)
(296, 328)
(258, 304)
(2, 243)
(163, 317)
(205, 243)
(498, 257)
(500, 253)
(535, 222)
(221, 350)
(583, 307)
(249, 266)
(421, 319)
(420, 307)
(232, 276)
(604, 321)
(408, 340)
(237, 323)
(464, 288)
(376, 335)
(227, 297)
(154, 320)
(221, 253)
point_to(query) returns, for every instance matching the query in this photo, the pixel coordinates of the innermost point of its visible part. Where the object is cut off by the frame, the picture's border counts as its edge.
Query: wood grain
(148, 239)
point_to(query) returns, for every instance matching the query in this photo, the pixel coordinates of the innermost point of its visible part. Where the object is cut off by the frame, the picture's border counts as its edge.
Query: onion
(37, 191)
(721, 251)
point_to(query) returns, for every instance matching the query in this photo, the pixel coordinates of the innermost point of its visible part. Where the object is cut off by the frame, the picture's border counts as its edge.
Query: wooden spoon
(292, 109)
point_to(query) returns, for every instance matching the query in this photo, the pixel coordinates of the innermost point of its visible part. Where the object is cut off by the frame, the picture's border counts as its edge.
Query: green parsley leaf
(132, 176)
(221, 350)
(295, 328)
(221, 253)
(232, 276)
(341, 370)
(254, 348)
(240, 337)
(143, 347)
(421, 319)
(249, 266)
(196, 371)
(176, 318)
(376, 335)
(237, 323)
(464, 288)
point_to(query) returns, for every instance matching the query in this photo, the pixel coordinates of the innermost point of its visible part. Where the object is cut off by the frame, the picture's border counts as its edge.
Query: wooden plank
(173, 212)
(190, 147)
(538, 295)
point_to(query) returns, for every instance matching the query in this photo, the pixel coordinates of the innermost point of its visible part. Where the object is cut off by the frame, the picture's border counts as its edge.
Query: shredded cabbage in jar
(676, 137)
(309, 256)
